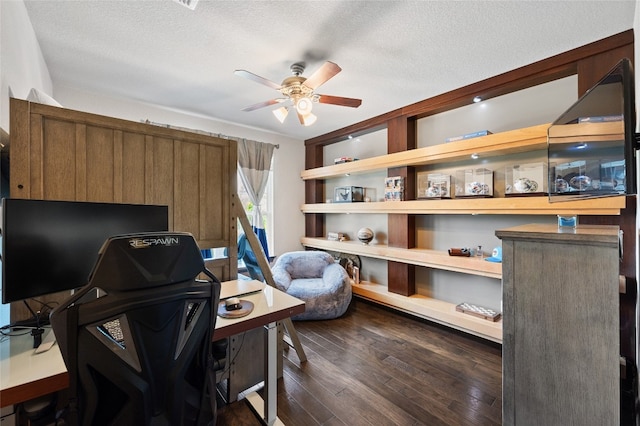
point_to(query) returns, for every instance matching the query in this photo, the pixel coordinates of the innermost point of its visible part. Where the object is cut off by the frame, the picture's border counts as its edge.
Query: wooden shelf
(587, 132)
(415, 256)
(510, 205)
(431, 309)
(504, 143)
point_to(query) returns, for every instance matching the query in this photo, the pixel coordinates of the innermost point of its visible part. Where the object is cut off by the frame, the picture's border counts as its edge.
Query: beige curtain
(254, 163)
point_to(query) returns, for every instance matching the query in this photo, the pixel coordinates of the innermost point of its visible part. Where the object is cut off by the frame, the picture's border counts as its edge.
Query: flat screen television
(52, 246)
(592, 146)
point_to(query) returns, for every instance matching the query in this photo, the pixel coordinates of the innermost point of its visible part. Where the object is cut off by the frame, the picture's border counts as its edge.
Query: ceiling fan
(301, 91)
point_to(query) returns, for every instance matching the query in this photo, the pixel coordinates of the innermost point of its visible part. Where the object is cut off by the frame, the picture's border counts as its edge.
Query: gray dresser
(561, 351)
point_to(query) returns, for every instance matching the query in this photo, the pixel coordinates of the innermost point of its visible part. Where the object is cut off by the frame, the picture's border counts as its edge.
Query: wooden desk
(25, 375)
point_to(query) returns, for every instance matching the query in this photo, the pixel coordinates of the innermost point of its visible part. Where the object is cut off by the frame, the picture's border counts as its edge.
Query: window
(266, 207)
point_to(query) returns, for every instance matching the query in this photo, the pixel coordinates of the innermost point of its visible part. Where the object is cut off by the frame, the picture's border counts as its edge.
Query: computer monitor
(52, 246)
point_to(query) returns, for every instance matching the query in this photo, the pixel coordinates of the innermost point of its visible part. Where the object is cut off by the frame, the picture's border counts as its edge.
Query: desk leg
(271, 373)
(267, 408)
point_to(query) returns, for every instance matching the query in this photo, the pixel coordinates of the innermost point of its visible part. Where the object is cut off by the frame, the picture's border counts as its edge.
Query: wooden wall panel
(217, 186)
(161, 177)
(591, 69)
(314, 192)
(133, 168)
(100, 164)
(186, 181)
(402, 278)
(62, 154)
(53, 170)
(401, 228)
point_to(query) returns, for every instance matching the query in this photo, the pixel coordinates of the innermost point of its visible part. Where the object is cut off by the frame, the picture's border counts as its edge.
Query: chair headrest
(136, 261)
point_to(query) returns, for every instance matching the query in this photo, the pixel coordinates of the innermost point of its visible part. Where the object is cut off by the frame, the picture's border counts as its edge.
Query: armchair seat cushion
(315, 278)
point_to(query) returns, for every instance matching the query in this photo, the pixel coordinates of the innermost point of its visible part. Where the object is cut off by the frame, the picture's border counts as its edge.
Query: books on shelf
(336, 236)
(469, 135)
(600, 119)
(341, 160)
(394, 188)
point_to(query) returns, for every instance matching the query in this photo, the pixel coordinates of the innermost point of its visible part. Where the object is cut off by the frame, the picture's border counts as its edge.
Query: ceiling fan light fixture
(304, 105)
(309, 119)
(281, 113)
(300, 91)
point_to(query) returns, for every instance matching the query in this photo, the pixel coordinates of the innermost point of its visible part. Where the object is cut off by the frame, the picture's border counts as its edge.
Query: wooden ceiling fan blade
(301, 118)
(257, 78)
(338, 100)
(324, 73)
(263, 104)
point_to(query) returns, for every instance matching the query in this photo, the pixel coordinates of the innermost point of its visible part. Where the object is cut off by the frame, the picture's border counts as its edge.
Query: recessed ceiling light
(475, 156)
(477, 99)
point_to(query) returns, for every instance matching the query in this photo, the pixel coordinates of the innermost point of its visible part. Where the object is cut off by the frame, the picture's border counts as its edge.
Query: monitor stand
(37, 336)
(48, 341)
(38, 330)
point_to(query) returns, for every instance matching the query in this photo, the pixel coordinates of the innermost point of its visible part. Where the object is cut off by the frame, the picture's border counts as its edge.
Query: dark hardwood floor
(374, 366)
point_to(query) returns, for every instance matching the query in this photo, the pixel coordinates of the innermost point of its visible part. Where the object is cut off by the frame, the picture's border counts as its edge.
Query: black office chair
(140, 352)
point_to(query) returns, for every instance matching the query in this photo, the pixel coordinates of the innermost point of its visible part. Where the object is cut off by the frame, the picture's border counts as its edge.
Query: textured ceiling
(392, 53)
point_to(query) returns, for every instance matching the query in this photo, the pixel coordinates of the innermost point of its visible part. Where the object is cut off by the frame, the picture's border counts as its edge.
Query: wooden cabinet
(506, 143)
(561, 350)
(61, 154)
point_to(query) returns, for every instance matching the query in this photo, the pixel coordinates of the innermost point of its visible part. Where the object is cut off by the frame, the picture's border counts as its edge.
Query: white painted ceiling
(392, 53)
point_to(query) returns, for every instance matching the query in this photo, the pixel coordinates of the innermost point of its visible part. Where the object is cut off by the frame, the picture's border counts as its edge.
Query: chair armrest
(336, 276)
(281, 278)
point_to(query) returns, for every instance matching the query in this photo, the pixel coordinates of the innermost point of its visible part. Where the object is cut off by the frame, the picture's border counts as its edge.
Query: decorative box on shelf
(336, 236)
(474, 183)
(576, 176)
(348, 194)
(589, 176)
(434, 185)
(394, 188)
(526, 179)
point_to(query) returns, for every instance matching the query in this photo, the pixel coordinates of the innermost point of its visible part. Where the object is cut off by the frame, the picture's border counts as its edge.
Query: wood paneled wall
(62, 154)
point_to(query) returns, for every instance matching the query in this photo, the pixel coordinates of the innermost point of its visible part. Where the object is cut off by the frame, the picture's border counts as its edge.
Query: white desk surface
(239, 288)
(21, 368)
(269, 305)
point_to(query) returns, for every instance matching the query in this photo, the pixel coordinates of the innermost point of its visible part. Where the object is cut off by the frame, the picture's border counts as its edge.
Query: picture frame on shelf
(394, 188)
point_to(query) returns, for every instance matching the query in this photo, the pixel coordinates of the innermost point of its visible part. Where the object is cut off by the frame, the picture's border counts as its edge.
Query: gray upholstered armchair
(313, 276)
